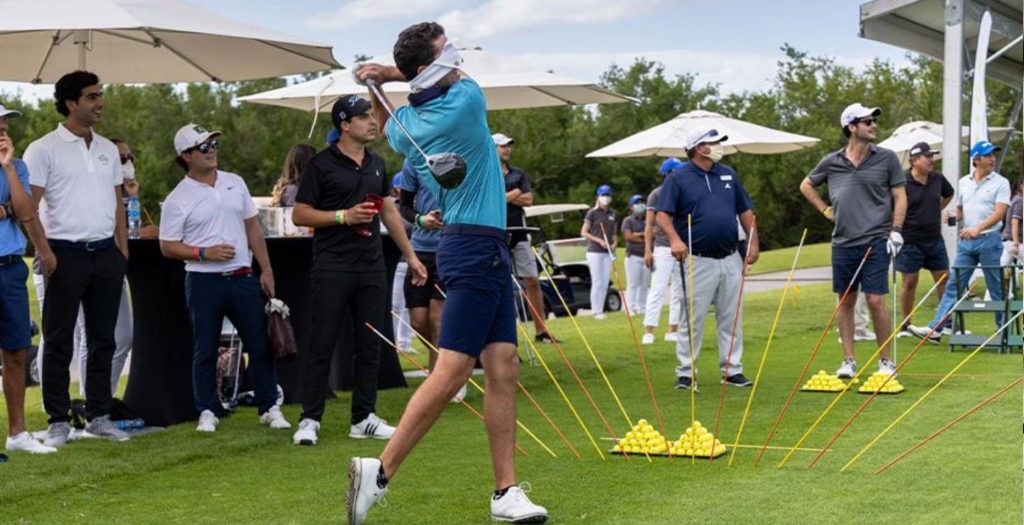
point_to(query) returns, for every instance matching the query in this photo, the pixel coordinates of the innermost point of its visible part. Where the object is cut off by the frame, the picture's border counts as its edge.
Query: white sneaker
(274, 418)
(887, 367)
(599, 317)
(515, 507)
(363, 491)
(648, 339)
(207, 422)
(371, 427)
(848, 369)
(671, 337)
(306, 434)
(26, 443)
(459, 396)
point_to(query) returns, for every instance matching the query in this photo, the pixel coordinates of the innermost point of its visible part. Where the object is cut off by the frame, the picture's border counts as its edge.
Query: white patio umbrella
(905, 136)
(145, 41)
(507, 84)
(668, 139)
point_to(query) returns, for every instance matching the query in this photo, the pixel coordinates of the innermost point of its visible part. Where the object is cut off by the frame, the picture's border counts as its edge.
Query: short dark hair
(846, 130)
(415, 47)
(70, 87)
(181, 163)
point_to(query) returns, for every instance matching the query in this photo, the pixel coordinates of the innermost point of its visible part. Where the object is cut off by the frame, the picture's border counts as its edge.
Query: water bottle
(129, 425)
(134, 217)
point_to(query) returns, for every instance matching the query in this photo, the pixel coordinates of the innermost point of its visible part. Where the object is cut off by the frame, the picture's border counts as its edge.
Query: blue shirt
(423, 240)
(456, 122)
(12, 240)
(713, 198)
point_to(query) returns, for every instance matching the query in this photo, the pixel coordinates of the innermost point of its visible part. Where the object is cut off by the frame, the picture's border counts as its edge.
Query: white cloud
(500, 16)
(357, 11)
(734, 71)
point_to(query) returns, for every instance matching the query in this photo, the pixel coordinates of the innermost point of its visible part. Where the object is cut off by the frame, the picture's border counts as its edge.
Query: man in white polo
(209, 221)
(76, 174)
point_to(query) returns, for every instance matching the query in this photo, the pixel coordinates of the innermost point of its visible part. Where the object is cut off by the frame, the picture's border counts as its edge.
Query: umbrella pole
(81, 38)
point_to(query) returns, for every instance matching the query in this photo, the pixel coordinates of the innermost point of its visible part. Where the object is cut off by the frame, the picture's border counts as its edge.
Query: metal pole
(81, 38)
(952, 98)
(1013, 129)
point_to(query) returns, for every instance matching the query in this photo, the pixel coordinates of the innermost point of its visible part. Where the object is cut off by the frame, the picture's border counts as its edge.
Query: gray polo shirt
(660, 239)
(634, 224)
(596, 217)
(861, 196)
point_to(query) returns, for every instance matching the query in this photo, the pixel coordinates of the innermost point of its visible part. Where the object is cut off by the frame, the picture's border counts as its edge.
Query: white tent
(668, 138)
(507, 83)
(905, 136)
(145, 41)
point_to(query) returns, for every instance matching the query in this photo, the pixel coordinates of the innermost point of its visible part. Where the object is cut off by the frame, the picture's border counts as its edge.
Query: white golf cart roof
(551, 209)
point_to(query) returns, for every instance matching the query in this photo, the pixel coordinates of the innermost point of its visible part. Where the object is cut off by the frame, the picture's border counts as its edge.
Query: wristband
(339, 217)
(195, 253)
(827, 212)
(202, 254)
(419, 221)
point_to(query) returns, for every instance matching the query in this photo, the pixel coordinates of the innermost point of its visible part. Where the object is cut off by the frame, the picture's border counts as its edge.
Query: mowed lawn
(246, 473)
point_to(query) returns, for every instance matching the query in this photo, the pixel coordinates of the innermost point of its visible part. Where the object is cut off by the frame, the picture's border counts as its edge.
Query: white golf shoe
(307, 432)
(363, 491)
(273, 418)
(207, 422)
(371, 427)
(515, 507)
(648, 339)
(24, 442)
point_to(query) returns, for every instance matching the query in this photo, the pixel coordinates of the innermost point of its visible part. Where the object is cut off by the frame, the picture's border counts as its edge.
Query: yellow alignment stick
(536, 352)
(586, 343)
(476, 385)
(767, 345)
(929, 392)
(849, 386)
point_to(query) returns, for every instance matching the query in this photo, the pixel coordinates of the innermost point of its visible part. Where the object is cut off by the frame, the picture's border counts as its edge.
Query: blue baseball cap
(604, 189)
(636, 198)
(983, 147)
(670, 164)
(396, 180)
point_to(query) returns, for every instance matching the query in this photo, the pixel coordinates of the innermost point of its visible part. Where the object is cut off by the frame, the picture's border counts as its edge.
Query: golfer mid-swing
(447, 113)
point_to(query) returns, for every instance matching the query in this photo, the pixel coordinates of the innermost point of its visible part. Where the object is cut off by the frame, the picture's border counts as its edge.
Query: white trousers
(638, 277)
(600, 265)
(715, 281)
(666, 276)
(403, 332)
(122, 338)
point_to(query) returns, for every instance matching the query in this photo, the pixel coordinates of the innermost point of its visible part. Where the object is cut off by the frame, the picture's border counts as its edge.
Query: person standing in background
(637, 273)
(599, 230)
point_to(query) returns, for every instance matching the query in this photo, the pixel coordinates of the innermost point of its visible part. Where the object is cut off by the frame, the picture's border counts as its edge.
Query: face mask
(450, 59)
(716, 152)
(639, 209)
(604, 200)
(128, 170)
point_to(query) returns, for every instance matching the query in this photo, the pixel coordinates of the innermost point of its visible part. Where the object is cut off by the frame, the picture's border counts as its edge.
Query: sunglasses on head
(126, 158)
(206, 146)
(867, 121)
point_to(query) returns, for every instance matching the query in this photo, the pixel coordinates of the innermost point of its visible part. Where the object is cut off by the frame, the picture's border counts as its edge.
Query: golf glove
(894, 244)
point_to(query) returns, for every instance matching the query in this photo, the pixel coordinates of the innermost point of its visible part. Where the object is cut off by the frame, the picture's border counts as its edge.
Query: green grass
(811, 256)
(247, 474)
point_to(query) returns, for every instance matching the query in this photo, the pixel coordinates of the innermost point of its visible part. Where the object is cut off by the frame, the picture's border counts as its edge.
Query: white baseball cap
(6, 113)
(501, 139)
(704, 135)
(857, 111)
(190, 136)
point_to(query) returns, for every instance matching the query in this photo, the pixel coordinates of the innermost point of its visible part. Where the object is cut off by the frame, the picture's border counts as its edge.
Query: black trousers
(334, 294)
(94, 280)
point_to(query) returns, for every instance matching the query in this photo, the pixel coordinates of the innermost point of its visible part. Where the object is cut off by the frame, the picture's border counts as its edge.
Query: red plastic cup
(377, 201)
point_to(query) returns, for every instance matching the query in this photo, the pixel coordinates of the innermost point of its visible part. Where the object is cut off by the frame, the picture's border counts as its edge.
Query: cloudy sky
(732, 42)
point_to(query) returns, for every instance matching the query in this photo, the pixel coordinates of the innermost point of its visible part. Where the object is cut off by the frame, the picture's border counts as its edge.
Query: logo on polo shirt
(104, 159)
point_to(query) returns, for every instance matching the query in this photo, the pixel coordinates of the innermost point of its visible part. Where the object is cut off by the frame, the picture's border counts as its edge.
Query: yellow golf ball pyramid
(697, 441)
(824, 382)
(875, 384)
(642, 439)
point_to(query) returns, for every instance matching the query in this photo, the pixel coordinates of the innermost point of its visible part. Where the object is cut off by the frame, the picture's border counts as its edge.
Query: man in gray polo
(866, 188)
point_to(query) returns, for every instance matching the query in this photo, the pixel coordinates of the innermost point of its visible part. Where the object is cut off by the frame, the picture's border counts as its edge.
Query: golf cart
(565, 260)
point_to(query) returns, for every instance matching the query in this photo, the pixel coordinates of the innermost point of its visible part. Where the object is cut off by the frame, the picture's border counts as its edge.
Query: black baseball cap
(347, 107)
(922, 148)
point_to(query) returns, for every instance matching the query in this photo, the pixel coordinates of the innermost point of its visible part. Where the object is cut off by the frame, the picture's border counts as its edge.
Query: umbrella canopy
(668, 139)
(507, 84)
(145, 41)
(905, 136)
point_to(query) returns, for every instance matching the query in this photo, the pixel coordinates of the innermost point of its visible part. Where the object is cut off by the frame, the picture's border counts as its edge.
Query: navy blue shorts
(15, 323)
(475, 266)
(930, 255)
(871, 279)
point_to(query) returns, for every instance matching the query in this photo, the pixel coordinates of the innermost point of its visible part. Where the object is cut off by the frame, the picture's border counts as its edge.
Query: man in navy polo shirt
(928, 193)
(447, 113)
(712, 195)
(866, 189)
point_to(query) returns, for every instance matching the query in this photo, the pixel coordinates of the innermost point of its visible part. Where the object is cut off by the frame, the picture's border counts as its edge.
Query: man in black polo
(341, 195)
(928, 193)
(519, 194)
(712, 195)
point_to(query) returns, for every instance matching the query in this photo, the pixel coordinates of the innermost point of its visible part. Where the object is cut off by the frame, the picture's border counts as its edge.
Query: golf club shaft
(387, 107)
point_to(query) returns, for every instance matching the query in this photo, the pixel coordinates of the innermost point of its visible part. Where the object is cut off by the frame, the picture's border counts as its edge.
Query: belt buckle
(89, 246)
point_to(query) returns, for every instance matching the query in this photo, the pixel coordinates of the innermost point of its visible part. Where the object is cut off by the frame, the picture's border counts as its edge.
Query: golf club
(449, 169)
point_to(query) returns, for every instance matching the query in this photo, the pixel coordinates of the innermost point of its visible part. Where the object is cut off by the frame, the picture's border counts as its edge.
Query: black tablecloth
(160, 382)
